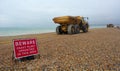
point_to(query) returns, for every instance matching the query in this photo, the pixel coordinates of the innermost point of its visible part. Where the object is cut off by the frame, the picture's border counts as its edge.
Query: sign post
(25, 48)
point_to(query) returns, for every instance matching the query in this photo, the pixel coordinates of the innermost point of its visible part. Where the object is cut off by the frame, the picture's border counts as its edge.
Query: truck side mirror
(87, 18)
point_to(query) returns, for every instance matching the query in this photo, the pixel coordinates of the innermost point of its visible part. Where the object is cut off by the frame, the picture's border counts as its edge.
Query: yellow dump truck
(71, 24)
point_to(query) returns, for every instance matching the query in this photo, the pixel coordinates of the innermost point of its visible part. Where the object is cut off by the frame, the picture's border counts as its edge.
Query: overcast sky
(40, 12)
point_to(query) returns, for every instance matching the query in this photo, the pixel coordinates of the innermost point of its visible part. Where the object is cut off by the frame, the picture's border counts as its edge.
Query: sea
(14, 31)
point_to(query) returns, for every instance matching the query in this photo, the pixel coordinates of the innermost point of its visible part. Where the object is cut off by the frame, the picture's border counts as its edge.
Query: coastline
(5, 32)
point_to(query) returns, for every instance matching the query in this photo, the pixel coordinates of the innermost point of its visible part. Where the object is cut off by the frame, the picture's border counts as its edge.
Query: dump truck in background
(110, 25)
(71, 24)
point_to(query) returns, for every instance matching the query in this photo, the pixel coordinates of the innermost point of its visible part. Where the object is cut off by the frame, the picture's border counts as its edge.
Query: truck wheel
(58, 30)
(71, 29)
(77, 29)
(85, 28)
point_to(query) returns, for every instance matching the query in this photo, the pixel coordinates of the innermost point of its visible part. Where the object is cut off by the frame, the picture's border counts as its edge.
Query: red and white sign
(25, 47)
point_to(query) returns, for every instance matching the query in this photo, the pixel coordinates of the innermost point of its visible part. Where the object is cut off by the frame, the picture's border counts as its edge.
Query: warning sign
(25, 47)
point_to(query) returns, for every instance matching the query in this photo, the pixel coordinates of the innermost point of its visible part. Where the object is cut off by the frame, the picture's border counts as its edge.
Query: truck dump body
(67, 19)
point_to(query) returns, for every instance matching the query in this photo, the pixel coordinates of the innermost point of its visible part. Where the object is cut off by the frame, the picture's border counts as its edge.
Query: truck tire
(77, 29)
(58, 30)
(85, 28)
(71, 29)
